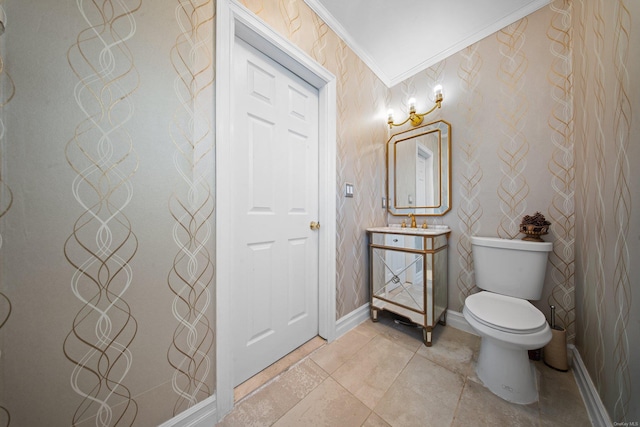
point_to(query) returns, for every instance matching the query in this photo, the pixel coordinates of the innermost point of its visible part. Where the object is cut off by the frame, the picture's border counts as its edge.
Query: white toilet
(510, 272)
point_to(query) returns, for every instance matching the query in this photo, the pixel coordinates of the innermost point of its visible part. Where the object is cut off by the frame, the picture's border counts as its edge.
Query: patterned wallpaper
(107, 255)
(103, 242)
(6, 196)
(107, 192)
(543, 118)
(192, 274)
(509, 101)
(606, 36)
(108, 259)
(361, 132)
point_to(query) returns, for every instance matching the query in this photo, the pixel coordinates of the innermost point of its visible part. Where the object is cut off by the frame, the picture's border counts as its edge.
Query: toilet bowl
(509, 327)
(509, 272)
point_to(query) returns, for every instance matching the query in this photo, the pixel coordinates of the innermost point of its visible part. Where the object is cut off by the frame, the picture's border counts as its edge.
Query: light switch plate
(348, 190)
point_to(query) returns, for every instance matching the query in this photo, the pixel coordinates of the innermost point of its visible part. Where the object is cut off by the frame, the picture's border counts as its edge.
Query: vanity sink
(433, 231)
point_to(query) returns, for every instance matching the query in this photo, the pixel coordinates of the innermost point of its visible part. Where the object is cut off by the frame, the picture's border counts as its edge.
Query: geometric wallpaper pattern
(468, 179)
(561, 166)
(6, 197)
(107, 190)
(106, 294)
(191, 277)
(622, 211)
(103, 242)
(607, 272)
(512, 119)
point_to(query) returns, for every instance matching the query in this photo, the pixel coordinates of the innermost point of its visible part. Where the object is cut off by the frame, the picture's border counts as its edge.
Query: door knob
(314, 225)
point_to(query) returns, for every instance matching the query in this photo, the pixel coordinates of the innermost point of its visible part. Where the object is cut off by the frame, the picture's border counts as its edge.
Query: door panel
(261, 179)
(275, 173)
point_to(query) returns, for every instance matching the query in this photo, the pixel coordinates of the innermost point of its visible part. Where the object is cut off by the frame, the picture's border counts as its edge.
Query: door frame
(234, 20)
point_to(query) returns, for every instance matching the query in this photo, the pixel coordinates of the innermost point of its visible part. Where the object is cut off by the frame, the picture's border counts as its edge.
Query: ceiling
(399, 38)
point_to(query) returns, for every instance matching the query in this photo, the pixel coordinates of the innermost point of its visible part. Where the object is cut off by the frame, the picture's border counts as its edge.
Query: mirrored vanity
(409, 274)
(408, 262)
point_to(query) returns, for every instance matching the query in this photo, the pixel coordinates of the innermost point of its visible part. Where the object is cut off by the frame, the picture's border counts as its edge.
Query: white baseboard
(351, 320)
(455, 319)
(202, 414)
(595, 408)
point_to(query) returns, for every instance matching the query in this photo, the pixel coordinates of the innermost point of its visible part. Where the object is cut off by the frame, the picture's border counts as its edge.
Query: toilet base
(507, 372)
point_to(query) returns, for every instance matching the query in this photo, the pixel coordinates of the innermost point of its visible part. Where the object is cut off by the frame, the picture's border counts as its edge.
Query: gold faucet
(413, 220)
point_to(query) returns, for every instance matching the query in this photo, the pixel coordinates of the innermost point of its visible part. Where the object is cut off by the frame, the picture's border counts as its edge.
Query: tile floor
(381, 374)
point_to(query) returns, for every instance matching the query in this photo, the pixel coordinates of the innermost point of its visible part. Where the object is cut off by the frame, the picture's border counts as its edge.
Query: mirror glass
(419, 170)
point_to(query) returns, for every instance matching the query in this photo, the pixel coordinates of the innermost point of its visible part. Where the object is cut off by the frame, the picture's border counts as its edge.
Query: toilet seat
(505, 313)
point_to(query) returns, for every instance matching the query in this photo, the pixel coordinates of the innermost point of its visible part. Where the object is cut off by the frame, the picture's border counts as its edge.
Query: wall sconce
(417, 118)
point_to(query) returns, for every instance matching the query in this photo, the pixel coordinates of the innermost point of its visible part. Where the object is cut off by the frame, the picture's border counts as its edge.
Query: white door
(424, 179)
(275, 175)
(421, 185)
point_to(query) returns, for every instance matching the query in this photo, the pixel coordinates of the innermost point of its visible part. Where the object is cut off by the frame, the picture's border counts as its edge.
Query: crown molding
(337, 28)
(454, 47)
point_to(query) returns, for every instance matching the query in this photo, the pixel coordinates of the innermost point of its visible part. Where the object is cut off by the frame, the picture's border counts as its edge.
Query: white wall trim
(392, 80)
(351, 320)
(455, 319)
(337, 28)
(202, 414)
(494, 27)
(595, 408)
(234, 20)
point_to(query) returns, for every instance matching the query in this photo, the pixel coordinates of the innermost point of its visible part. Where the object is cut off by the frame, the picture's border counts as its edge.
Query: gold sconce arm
(417, 118)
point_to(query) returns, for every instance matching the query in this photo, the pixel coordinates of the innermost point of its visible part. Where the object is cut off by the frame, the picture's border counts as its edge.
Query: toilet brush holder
(555, 353)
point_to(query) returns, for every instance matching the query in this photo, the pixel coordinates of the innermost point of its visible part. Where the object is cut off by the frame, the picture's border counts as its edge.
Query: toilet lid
(505, 313)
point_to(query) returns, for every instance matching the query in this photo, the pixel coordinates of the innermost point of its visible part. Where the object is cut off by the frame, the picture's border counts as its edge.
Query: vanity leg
(374, 315)
(443, 319)
(426, 335)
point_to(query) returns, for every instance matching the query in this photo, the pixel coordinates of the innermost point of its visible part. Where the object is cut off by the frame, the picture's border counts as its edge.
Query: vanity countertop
(436, 230)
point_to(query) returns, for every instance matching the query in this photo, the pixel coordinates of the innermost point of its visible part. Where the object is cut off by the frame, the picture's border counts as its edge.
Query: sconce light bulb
(412, 103)
(390, 114)
(437, 92)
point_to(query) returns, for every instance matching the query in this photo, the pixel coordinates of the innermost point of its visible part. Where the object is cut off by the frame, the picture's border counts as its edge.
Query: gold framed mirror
(419, 170)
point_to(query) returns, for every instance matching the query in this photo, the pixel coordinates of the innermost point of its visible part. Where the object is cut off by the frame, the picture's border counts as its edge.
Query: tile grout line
(272, 380)
(329, 375)
(344, 354)
(455, 412)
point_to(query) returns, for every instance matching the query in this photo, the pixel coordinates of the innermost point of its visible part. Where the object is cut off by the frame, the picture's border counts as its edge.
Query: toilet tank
(510, 267)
